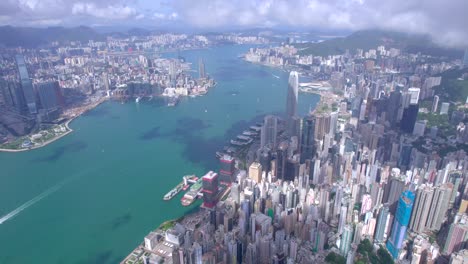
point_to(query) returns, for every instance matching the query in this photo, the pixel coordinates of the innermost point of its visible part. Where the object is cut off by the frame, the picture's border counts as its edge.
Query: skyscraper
(201, 68)
(381, 224)
(255, 172)
(400, 223)
(197, 251)
(444, 108)
(12, 95)
(465, 59)
(269, 132)
(308, 138)
(105, 80)
(292, 97)
(26, 85)
(210, 189)
(421, 209)
(392, 107)
(292, 170)
(435, 104)
(346, 239)
(281, 160)
(457, 236)
(439, 206)
(50, 95)
(226, 172)
(393, 190)
(322, 126)
(414, 95)
(173, 71)
(409, 118)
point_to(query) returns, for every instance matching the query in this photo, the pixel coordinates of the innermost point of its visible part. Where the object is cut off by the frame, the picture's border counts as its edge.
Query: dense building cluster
(38, 86)
(368, 171)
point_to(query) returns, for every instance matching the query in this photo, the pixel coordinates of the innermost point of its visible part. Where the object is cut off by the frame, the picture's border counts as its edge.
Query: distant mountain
(35, 37)
(370, 39)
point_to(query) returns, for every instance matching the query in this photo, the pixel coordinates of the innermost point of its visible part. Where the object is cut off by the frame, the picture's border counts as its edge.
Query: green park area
(365, 254)
(35, 140)
(453, 88)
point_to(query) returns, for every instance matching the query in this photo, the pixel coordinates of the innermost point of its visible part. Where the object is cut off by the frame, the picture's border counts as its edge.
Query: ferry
(188, 180)
(242, 137)
(249, 133)
(173, 192)
(236, 143)
(256, 128)
(241, 143)
(192, 194)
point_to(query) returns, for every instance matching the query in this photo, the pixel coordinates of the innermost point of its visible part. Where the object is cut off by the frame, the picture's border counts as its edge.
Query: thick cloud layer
(445, 21)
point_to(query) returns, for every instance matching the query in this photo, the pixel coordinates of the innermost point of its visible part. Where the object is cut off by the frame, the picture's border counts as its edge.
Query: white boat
(138, 99)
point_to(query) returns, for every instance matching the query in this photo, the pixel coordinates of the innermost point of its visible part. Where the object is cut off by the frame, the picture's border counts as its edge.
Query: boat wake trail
(31, 202)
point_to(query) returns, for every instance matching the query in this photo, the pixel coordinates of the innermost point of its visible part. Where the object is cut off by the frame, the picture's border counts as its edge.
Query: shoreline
(69, 130)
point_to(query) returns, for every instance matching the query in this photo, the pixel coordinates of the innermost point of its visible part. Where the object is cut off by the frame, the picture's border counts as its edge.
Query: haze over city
(444, 21)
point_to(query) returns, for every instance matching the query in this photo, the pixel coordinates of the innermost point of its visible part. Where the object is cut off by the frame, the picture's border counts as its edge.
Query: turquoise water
(93, 195)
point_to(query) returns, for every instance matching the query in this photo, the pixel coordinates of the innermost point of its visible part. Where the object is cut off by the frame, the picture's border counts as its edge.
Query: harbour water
(93, 195)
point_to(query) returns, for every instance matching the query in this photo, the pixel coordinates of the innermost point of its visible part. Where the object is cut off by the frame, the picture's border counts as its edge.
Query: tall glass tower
(400, 224)
(293, 87)
(308, 138)
(465, 59)
(201, 68)
(26, 85)
(269, 132)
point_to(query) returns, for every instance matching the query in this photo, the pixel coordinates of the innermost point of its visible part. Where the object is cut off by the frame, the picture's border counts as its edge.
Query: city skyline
(291, 101)
(443, 21)
(242, 146)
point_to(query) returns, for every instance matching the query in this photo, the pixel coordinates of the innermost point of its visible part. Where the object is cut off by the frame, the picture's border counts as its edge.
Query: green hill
(370, 39)
(452, 87)
(34, 37)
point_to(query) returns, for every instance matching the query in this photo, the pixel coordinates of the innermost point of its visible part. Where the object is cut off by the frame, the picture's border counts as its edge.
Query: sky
(446, 21)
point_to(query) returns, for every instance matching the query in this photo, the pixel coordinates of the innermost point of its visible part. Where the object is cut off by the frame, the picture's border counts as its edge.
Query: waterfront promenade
(70, 114)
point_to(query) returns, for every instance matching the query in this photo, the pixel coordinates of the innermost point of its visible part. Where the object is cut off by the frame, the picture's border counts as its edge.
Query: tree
(365, 247)
(368, 255)
(334, 258)
(384, 256)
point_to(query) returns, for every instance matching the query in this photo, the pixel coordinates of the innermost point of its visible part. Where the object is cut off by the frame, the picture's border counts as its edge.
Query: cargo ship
(192, 194)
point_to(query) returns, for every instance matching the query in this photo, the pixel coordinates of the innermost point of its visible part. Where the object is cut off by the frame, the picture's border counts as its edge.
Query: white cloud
(445, 21)
(140, 16)
(158, 15)
(162, 16)
(109, 12)
(173, 16)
